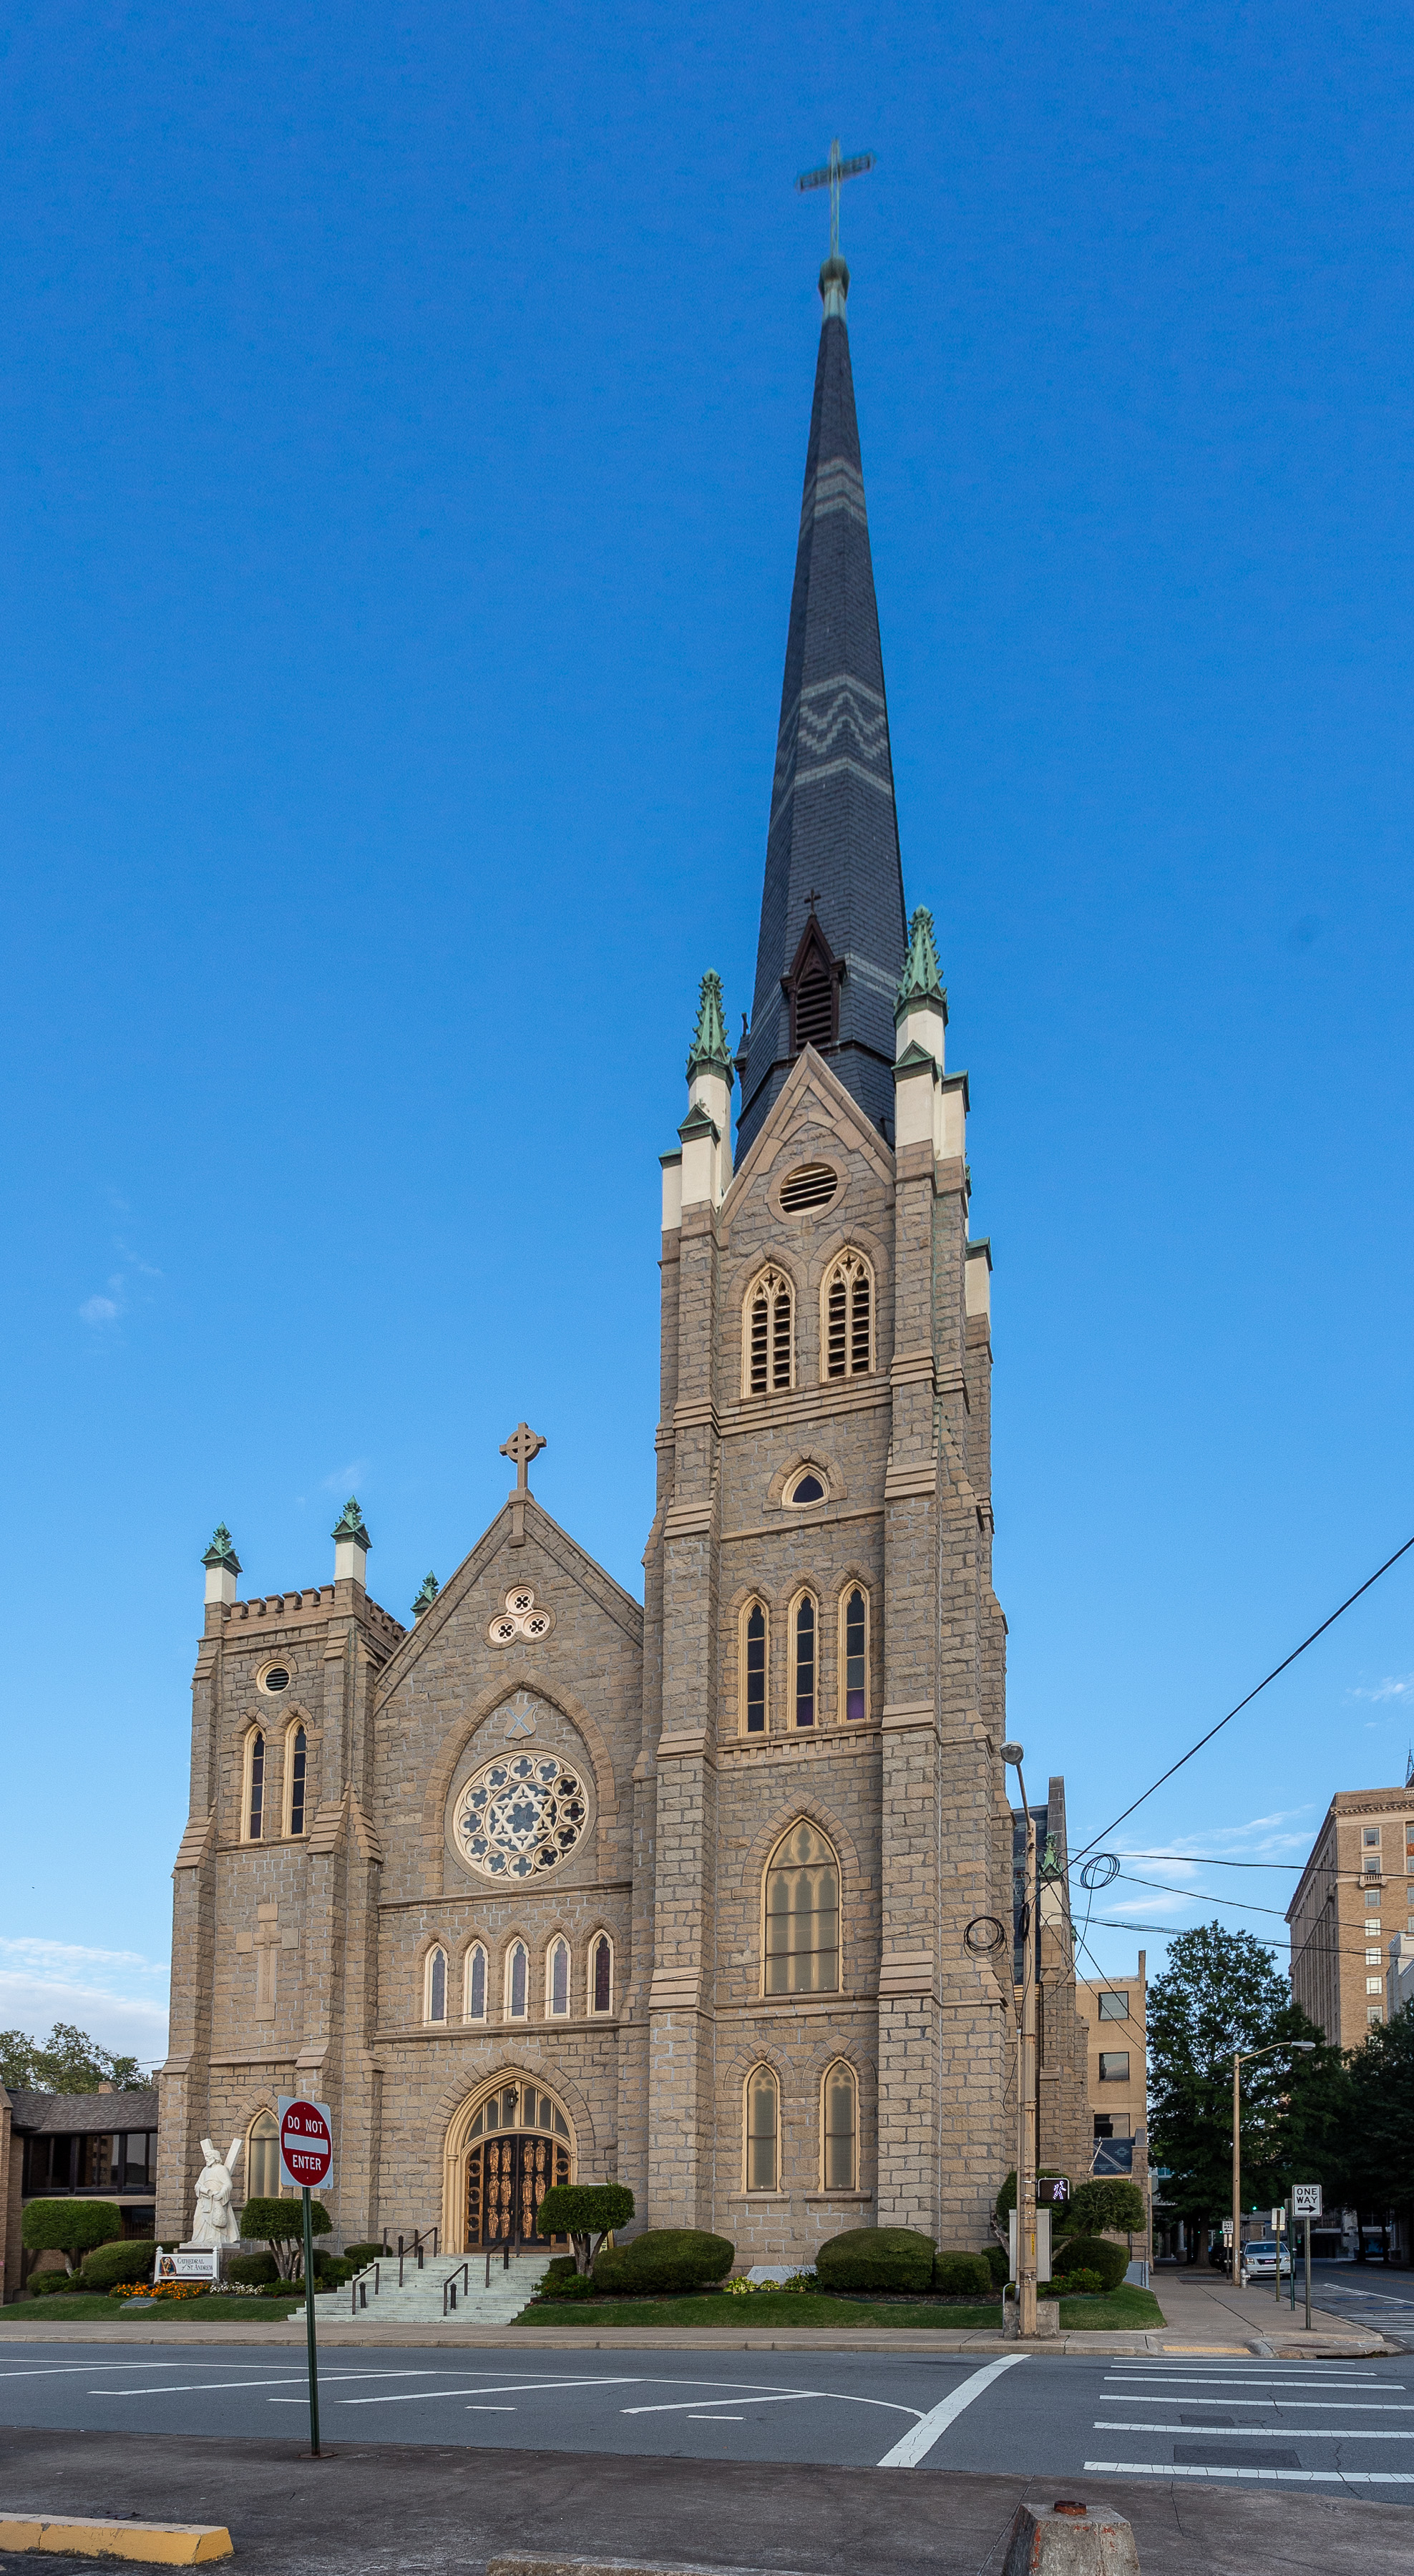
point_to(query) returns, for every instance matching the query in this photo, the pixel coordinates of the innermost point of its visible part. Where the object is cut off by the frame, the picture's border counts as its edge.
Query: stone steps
(420, 2300)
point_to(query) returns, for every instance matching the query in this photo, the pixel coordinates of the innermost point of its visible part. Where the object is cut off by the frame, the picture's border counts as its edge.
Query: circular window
(275, 1678)
(810, 1185)
(808, 1490)
(516, 1819)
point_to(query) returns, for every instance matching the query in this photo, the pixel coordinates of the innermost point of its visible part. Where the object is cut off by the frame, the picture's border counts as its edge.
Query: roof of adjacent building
(833, 829)
(65, 2114)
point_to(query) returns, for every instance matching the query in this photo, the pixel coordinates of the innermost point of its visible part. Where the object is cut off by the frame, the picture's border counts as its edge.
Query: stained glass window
(762, 2130)
(755, 1692)
(603, 1975)
(297, 1762)
(805, 1661)
(257, 1786)
(841, 2129)
(803, 1915)
(437, 1986)
(856, 1639)
(476, 1984)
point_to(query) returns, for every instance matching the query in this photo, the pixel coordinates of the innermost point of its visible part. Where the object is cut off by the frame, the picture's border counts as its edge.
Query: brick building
(552, 1882)
(1356, 1893)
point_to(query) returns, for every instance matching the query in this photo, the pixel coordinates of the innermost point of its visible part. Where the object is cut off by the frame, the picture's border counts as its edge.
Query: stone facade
(1355, 1896)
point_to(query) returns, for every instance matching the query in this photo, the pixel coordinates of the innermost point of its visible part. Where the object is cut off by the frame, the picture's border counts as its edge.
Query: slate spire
(832, 919)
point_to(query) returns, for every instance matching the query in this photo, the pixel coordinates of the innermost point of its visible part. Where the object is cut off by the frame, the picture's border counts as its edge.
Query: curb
(168, 2544)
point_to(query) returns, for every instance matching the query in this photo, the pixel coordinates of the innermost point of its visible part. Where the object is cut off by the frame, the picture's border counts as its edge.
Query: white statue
(215, 2222)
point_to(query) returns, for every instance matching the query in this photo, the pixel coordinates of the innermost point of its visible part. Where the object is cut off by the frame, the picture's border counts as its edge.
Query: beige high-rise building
(1114, 2011)
(1355, 1894)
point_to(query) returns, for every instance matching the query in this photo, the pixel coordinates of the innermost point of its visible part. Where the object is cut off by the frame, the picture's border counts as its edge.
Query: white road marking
(1305, 2477)
(714, 2419)
(1307, 2405)
(684, 2406)
(1297, 2378)
(508, 2388)
(490, 2410)
(196, 2387)
(916, 2445)
(64, 2369)
(1262, 2432)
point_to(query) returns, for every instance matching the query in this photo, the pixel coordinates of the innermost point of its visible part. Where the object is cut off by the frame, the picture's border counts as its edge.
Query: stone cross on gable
(523, 1445)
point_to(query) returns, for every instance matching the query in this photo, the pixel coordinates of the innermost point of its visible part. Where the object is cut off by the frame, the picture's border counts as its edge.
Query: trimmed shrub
(251, 2270)
(1078, 2284)
(962, 2276)
(48, 2285)
(1092, 2254)
(572, 2286)
(72, 2227)
(1006, 2197)
(1106, 2203)
(995, 2258)
(280, 2225)
(663, 2259)
(128, 2260)
(585, 2212)
(876, 2258)
(362, 2255)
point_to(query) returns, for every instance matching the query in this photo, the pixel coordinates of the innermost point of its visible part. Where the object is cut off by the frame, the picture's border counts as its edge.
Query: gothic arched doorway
(518, 2142)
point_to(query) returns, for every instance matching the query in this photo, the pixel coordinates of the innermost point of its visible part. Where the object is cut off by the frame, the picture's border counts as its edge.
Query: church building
(711, 1894)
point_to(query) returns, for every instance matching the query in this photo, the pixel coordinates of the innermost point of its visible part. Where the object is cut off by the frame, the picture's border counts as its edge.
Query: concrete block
(1068, 2538)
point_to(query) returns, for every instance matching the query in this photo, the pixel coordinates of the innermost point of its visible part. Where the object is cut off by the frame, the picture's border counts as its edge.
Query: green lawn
(1124, 2307)
(72, 2308)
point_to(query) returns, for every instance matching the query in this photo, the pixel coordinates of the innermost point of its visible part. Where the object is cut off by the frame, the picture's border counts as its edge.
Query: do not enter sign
(306, 2142)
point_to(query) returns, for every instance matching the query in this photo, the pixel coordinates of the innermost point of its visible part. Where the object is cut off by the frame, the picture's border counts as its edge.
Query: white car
(1260, 2257)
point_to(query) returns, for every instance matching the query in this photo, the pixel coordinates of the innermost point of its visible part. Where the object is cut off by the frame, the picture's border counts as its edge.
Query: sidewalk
(1202, 2306)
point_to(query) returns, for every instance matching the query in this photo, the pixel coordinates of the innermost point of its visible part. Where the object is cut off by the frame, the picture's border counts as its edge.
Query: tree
(69, 2227)
(280, 2225)
(1375, 2168)
(585, 2212)
(1106, 2202)
(67, 2062)
(1221, 1991)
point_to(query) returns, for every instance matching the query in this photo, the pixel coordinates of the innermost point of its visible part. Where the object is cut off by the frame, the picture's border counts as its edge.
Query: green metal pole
(309, 2330)
(1308, 2276)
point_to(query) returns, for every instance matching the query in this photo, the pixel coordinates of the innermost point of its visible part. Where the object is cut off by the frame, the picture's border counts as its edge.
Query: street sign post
(306, 2160)
(1306, 2203)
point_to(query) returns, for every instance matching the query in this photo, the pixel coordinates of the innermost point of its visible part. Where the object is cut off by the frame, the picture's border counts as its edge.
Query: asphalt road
(1362, 2294)
(1329, 2428)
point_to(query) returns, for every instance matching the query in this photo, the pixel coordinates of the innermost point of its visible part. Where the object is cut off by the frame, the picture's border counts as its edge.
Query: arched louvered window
(754, 1661)
(847, 1338)
(601, 1975)
(802, 1915)
(296, 1758)
(474, 1989)
(517, 1981)
(805, 1631)
(436, 2009)
(557, 1980)
(770, 1335)
(763, 2130)
(253, 1802)
(262, 2159)
(854, 1651)
(839, 2128)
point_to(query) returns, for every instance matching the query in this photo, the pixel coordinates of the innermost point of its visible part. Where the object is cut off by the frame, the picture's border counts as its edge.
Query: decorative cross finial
(523, 1445)
(832, 176)
(813, 897)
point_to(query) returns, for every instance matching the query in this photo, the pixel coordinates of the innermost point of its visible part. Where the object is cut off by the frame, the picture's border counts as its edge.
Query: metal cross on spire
(832, 176)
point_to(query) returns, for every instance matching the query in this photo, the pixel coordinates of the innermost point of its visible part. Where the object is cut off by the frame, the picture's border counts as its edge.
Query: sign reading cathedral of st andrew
(554, 1885)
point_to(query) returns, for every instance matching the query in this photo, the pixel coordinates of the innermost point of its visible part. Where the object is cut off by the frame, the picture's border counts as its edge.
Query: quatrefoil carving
(523, 1617)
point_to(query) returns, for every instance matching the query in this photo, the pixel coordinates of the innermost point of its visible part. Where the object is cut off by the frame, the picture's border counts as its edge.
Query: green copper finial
(921, 980)
(427, 1595)
(349, 1525)
(222, 1551)
(710, 1052)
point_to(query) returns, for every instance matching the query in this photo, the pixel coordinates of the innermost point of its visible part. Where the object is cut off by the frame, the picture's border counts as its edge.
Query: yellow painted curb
(170, 2544)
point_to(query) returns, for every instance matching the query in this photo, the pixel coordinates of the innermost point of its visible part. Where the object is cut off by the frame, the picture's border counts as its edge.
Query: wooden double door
(507, 2179)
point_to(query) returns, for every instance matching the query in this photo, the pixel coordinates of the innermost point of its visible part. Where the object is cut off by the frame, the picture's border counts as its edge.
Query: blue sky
(400, 457)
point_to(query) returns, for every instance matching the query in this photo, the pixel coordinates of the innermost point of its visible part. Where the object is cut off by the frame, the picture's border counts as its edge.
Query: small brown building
(52, 2146)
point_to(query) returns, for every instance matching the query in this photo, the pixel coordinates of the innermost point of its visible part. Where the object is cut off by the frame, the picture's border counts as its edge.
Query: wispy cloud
(344, 1479)
(98, 1310)
(117, 1996)
(1395, 1686)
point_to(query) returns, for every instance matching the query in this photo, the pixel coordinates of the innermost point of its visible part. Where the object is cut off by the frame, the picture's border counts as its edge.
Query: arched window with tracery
(839, 2128)
(854, 1651)
(517, 1982)
(763, 2130)
(770, 1335)
(847, 1321)
(262, 2158)
(804, 1656)
(754, 1665)
(802, 1915)
(601, 1975)
(474, 1984)
(557, 1980)
(436, 2001)
(296, 1766)
(253, 1791)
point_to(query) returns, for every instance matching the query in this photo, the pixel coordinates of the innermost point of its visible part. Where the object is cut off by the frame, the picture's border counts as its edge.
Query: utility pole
(1026, 2074)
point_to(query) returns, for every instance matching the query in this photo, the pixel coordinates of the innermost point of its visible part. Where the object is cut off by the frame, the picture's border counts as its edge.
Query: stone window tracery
(847, 1318)
(523, 1616)
(521, 1815)
(801, 1944)
(769, 1338)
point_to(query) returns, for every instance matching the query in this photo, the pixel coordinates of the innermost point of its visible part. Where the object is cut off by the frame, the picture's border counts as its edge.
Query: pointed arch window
(474, 1984)
(839, 2128)
(805, 1640)
(262, 2158)
(847, 1323)
(517, 1982)
(854, 1651)
(802, 1915)
(296, 1765)
(557, 1981)
(770, 1335)
(754, 1663)
(601, 1975)
(812, 989)
(763, 2130)
(253, 1797)
(436, 2002)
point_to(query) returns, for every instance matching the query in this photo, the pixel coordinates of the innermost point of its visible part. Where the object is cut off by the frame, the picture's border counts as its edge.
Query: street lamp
(1015, 1754)
(1243, 2057)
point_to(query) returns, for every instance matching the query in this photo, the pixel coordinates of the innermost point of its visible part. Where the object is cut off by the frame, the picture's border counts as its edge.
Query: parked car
(1261, 2256)
(1220, 2256)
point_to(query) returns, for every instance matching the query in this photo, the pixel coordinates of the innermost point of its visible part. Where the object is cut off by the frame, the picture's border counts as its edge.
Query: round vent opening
(813, 1185)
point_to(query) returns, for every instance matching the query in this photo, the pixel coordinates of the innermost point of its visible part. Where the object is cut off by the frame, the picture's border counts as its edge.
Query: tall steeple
(832, 918)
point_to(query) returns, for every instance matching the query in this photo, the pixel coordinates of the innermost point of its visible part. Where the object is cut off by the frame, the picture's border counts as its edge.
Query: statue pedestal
(192, 2263)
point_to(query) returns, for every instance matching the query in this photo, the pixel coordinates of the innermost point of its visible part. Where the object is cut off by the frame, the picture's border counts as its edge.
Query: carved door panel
(507, 2178)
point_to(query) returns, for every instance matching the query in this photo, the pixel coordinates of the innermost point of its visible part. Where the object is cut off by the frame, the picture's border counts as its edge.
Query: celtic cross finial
(523, 1445)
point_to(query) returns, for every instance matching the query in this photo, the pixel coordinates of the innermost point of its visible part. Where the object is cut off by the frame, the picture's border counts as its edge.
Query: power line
(1210, 1860)
(1277, 1669)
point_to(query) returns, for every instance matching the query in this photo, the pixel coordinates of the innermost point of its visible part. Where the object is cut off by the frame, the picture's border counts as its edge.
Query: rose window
(517, 1818)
